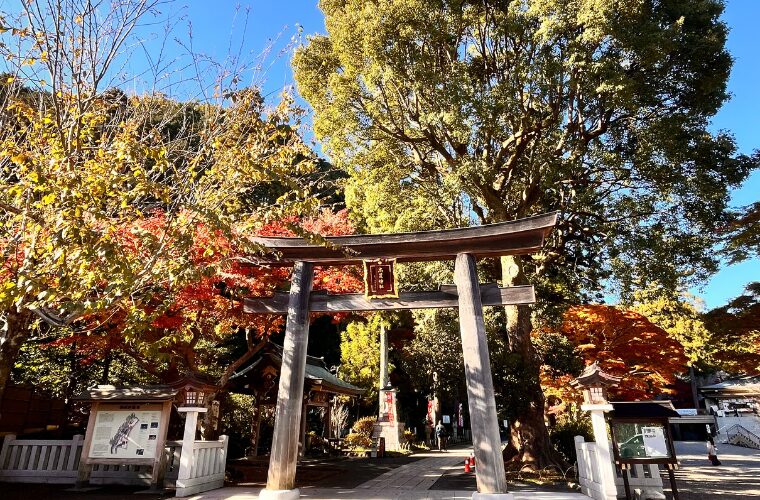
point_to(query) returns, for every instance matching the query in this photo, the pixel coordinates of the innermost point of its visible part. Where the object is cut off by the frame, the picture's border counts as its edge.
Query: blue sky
(215, 24)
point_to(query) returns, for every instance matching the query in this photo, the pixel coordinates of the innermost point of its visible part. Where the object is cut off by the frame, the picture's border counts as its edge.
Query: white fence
(206, 471)
(645, 480)
(57, 461)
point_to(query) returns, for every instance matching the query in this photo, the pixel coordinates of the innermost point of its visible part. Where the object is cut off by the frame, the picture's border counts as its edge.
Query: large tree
(102, 194)
(503, 109)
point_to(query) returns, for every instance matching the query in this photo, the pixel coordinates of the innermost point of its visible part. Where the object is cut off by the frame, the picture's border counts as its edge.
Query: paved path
(738, 478)
(408, 482)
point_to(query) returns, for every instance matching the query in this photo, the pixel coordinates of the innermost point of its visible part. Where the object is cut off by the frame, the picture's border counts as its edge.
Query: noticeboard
(642, 442)
(126, 431)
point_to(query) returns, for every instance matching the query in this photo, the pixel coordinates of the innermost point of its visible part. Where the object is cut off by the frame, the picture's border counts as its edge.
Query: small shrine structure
(260, 378)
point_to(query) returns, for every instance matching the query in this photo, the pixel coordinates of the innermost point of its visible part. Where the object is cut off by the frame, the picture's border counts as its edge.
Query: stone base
(492, 496)
(392, 432)
(294, 494)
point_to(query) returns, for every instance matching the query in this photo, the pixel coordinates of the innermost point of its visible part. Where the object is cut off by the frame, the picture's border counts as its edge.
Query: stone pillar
(382, 410)
(491, 478)
(188, 443)
(282, 462)
(603, 453)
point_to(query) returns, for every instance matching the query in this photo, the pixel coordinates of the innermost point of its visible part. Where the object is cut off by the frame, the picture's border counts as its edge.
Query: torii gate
(519, 237)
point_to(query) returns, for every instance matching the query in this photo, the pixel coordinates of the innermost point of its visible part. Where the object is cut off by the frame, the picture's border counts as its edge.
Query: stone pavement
(411, 481)
(738, 478)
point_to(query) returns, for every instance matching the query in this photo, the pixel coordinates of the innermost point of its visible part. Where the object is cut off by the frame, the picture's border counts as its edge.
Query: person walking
(442, 435)
(712, 451)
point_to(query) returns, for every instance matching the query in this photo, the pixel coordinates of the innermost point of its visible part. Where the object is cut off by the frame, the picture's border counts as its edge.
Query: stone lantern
(594, 384)
(192, 393)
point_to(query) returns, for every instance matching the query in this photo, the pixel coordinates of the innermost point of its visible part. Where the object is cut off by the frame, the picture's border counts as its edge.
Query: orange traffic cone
(467, 465)
(472, 459)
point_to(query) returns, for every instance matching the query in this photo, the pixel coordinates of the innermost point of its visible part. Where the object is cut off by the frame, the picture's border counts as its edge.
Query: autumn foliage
(183, 319)
(625, 344)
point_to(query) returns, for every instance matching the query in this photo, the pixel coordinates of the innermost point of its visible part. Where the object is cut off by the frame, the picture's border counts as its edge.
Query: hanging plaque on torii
(380, 279)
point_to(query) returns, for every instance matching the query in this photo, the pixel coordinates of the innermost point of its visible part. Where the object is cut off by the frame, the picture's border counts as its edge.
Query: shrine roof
(521, 236)
(643, 409)
(744, 385)
(316, 372)
(139, 393)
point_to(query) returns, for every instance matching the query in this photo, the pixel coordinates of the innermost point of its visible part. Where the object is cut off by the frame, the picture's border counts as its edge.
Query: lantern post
(594, 384)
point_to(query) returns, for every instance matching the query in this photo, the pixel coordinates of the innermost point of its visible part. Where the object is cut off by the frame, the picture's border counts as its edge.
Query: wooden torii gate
(519, 237)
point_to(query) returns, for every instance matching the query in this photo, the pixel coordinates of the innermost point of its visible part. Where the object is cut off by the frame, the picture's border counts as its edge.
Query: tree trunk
(12, 335)
(529, 440)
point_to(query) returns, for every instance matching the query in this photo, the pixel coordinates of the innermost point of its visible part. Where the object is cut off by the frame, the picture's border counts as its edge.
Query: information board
(641, 441)
(126, 431)
(655, 445)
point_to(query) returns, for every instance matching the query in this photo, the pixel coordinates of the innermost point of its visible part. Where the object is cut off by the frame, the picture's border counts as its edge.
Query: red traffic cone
(467, 465)
(472, 459)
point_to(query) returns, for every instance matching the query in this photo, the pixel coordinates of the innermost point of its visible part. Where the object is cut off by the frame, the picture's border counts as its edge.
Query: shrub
(563, 435)
(356, 440)
(361, 437)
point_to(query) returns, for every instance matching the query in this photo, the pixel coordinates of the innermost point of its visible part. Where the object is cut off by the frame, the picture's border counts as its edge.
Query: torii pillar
(491, 477)
(282, 462)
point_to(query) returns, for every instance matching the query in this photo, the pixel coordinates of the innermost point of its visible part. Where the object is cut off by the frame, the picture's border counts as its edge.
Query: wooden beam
(517, 237)
(446, 296)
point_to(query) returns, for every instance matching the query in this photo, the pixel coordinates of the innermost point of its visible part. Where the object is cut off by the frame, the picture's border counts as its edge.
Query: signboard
(446, 419)
(380, 279)
(655, 445)
(642, 442)
(126, 431)
(460, 417)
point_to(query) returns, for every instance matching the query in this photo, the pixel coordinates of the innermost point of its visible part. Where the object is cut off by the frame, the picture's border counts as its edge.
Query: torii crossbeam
(518, 237)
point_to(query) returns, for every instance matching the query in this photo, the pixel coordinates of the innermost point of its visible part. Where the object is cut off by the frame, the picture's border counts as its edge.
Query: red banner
(390, 406)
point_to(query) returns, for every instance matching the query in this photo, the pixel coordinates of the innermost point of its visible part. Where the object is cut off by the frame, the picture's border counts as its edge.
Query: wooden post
(382, 410)
(626, 483)
(157, 479)
(282, 462)
(255, 427)
(85, 469)
(6, 447)
(302, 430)
(491, 478)
(328, 419)
(672, 477)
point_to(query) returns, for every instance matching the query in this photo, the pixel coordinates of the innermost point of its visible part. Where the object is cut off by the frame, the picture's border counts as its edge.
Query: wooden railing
(206, 471)
(644, 477)
(741, 436)
(56, 461)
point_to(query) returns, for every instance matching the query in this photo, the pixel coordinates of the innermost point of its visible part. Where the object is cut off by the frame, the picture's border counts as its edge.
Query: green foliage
(236, 411)
(744, 238)
(558, 354)
(563, 434)
(600, 111)
(360, 355)
(681, 317)
(736, 332)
